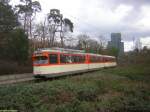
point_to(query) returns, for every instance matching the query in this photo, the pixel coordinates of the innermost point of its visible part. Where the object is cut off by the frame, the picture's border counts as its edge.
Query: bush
(13, 68)
(99, 91)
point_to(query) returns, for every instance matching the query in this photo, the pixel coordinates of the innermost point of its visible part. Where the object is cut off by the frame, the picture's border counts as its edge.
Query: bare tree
(58, 24)
(102, 43)
(93, 45)
(83, 41)
(41, 31)
(27, 10)
(137, 44)
(70, 41)
(89, 44)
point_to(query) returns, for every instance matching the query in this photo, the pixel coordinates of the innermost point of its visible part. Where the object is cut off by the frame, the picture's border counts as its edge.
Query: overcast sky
(101, 17)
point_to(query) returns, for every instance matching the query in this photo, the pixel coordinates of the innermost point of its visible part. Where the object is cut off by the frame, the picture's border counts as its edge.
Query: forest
(21, 35)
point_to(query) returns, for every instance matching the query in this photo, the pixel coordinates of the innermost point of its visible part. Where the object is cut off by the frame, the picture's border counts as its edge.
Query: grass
(121, 89)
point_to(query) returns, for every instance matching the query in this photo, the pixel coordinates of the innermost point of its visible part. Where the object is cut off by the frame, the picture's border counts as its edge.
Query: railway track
(10, 79)
(18, 78)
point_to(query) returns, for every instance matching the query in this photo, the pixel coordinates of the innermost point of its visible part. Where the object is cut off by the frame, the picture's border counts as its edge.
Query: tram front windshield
(40, 60)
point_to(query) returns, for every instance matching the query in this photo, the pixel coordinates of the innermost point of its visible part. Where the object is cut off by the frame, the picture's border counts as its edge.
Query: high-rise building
(116, 42)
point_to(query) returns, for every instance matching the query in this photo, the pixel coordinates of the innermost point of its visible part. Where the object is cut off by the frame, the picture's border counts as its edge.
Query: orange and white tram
(51, 62)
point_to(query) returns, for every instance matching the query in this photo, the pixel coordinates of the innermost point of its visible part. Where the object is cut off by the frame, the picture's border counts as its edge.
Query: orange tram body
(52, 62)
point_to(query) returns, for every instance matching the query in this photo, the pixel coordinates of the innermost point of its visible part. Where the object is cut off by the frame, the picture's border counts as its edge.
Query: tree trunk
(30, 27)
(25, 19)
(62, 42)
(61, 36)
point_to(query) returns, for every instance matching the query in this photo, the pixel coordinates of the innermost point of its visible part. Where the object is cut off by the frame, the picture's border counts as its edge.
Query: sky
(102, 17)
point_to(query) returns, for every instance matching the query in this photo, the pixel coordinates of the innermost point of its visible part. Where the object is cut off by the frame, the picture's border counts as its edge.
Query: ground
(120, 89)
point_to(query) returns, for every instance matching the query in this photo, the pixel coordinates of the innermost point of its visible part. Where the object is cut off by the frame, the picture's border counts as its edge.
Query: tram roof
(73, 51)
(63, 50)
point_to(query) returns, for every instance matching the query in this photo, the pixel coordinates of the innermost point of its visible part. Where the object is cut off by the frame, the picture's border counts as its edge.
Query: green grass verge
(121, 89)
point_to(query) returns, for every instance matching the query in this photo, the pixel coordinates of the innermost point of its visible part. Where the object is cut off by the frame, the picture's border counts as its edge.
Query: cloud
(129, 17)
(101, 17)
(145, 42)
(128, 45)
(135, 3)
(135, 14)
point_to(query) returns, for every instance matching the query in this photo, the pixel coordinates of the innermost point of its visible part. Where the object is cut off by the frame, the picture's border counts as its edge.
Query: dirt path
(9, 79)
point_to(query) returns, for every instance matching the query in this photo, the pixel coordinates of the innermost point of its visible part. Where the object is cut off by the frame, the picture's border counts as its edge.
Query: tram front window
(40, 60)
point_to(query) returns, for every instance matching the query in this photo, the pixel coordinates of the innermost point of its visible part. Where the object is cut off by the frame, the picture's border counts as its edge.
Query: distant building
(116, 42)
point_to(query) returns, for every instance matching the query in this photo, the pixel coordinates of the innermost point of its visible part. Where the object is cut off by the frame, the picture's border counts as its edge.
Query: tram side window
(100, 59)
(82, 59)
(105, 59)
(62, 58)
(78, 59)
(93, 59)
(65, 59)
(112, 59)
(40, 60)
(72, 59)
(53, 58)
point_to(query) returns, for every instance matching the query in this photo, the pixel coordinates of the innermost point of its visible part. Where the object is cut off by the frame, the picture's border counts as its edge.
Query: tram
(53, 62)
